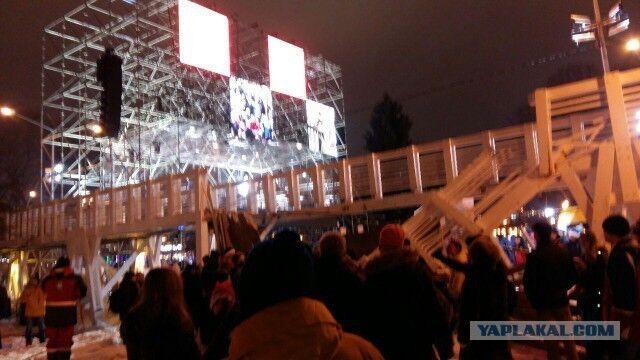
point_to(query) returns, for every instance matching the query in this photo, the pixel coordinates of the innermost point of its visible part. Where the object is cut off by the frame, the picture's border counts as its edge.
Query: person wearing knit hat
(621, 304)
(281, 320)
(391, 238)
(403, 316)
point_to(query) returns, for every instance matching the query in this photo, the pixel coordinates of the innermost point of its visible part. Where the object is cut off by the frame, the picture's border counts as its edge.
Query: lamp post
(32, 195)
(584, 30)
(7, 111)
(602, 42)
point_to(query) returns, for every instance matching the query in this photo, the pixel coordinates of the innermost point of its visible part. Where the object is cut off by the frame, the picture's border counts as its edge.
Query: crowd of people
(286, 299)
(604, 284)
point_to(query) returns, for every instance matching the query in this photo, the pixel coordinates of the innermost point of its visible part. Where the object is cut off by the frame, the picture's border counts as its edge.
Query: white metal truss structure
(174, 117)
(595, 159)
(34, 261)
(585, 139)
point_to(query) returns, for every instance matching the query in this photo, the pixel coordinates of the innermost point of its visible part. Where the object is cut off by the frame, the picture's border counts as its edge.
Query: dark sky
(406, 48)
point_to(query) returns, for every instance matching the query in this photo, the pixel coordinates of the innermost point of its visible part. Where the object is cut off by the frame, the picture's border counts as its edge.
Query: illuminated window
(286, 68)
(204, 38)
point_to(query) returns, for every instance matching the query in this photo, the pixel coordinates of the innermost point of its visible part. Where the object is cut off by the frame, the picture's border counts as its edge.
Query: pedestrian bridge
(584, 140)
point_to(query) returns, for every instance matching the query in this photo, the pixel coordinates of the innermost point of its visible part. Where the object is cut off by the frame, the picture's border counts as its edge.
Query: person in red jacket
(63, 289)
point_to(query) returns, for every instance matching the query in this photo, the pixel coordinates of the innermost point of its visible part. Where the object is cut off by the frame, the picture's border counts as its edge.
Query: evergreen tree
(389, 126)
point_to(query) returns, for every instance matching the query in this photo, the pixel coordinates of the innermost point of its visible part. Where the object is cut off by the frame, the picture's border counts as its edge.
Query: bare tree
(19, 163)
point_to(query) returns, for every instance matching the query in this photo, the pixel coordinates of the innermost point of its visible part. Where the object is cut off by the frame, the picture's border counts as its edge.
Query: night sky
(457, 66)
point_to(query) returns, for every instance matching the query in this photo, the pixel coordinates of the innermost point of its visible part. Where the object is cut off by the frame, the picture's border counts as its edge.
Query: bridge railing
(146, 206)
(374, 177)
(378, 178)
(381, 176)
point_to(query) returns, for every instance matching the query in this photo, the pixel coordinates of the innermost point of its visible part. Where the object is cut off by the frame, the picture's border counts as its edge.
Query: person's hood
(300, 328)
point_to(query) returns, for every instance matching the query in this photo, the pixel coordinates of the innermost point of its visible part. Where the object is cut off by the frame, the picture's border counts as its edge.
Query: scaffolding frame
(174, 117)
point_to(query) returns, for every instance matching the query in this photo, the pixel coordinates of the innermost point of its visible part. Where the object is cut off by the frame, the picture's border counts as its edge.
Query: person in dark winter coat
(209, 272)
(5, 303)
(403, 317)
(484, 298)
(5, 306)
(224, 318)
(621, 292)
(193, 294)
(573, 247)
(159, 327)
(337, 283)
(622, 260)
(548, 275)
(125, 296)
(281, 320)
(63, 290)
(210, 276)
(591, 279)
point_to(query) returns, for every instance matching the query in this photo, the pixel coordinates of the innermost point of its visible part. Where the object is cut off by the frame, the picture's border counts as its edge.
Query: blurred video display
(251, 110)
(321, 128)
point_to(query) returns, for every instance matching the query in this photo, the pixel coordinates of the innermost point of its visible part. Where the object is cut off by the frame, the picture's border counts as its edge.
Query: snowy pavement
(103, 344)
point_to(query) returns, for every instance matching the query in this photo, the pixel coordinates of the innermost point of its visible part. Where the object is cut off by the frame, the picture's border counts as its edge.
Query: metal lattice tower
(174, 117)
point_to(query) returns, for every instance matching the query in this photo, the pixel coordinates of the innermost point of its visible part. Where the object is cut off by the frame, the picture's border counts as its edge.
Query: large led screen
(251, 110)
(204, 38)
(321, 128)
(286, 68)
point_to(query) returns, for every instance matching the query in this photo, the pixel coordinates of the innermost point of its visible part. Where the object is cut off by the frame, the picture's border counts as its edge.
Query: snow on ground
(102, 344)
(105, 344)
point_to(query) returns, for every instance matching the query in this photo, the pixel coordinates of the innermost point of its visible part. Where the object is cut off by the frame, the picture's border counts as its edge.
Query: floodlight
(549, 212)
(633, 45)
(7, 111)
(243, 189)
(97, 129)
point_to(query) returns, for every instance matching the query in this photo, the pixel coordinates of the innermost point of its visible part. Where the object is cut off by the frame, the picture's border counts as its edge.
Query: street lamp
(32, 195)
(96, 129)
(585, 29)
(7, 111)
(632, 45)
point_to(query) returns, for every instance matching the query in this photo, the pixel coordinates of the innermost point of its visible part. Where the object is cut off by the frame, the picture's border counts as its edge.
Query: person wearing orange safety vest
(63, 289)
